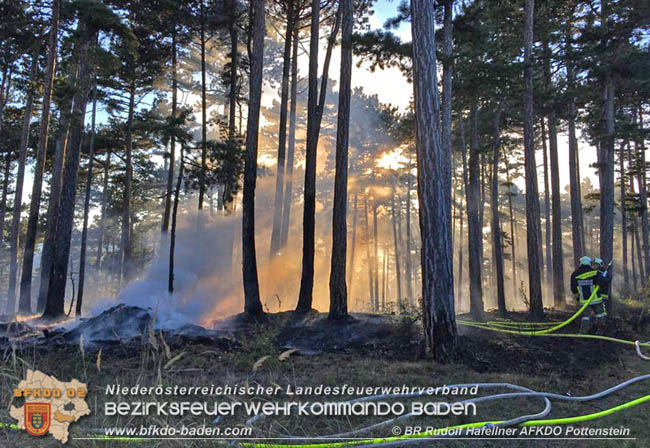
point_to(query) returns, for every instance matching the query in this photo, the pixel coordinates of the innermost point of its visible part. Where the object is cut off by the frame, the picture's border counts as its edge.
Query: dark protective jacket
(584, 280)
(606, 276)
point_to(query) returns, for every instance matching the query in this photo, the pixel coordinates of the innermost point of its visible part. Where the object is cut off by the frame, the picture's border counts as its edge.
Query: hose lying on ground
(532, 420)
(519, 328)
(638, 349)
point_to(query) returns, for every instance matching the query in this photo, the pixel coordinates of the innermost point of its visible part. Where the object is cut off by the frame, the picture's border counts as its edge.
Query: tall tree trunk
(559, 299)
(84, 231)
(577, 222)
(252, 303)
(60, 260)
(5, 192)
(447, 81)
(384, 278)
(308, 220)
(639, 253)
(513, 237)
(626, 276)
(396, 247)
(41, 154)
(102, 216)
(172, 238)
(331, 41)
(338, 290)
(125, 241)
(547, 209)
(461, 236)
(532, 195)
(434, 182)
(234, 66)
(496, 225)
(47, 253)
(353, 246)
(172, 143)
(409, 241)
(5, 88)
(23, 308)
(371, 293)
(204, 114)
(375, 238)
(632, 252)
(463, 148)
(475, 242)
(643, 192)
(276, 231)
(606, 173)
(288, 187)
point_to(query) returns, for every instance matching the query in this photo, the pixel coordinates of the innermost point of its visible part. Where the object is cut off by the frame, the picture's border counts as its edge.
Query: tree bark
(23, 307)
(204, 116)
(338, 289)
(252, 303)
(396, 247)
(371, 293)
(475, 233)
(532, 195)
(559, 299)
(513, 237)
(125, 240)
(447, 81)
(577, 222)
(434, 181)
(172, 143)
(102, 218)
(548, 268)
(643, 192)
(288, 188)
(375, 240)
(621, 158)
(409, 242)
(353, 245)
(84, 231)
(60, 261)
(41, 154)
(276, 231)
(496, 225)
(5, 193)
(463, 147)
(172, 237)
(47, 253)
(606, 173)
(308, 221)
(234, 66)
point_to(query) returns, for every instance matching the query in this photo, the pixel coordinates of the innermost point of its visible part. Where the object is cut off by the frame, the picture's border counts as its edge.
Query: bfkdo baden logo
(50, 405)
(37, 418)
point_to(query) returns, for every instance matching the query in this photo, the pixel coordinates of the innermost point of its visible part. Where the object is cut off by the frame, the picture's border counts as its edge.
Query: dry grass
(155, 361)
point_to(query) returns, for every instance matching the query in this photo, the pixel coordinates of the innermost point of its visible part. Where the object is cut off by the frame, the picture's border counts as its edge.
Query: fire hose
(524, 421)
(525, 328)
(520, 328)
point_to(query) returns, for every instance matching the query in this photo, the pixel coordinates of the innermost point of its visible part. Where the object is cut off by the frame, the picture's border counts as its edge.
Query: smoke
(204, 278)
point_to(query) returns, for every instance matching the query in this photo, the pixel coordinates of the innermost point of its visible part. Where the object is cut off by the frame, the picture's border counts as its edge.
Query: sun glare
(392, 160)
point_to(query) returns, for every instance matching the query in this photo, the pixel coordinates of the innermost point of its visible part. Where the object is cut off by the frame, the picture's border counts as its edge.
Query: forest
(385, 185)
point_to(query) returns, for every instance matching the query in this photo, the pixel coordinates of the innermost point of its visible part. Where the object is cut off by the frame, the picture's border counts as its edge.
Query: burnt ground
(121, 329)
(366, 350)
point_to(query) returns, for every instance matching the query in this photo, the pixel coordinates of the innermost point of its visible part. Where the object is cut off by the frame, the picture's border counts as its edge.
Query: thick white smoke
(205, 279)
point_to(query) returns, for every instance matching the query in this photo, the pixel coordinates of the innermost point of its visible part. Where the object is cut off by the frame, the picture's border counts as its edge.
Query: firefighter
(583, 281)
(604, 290)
